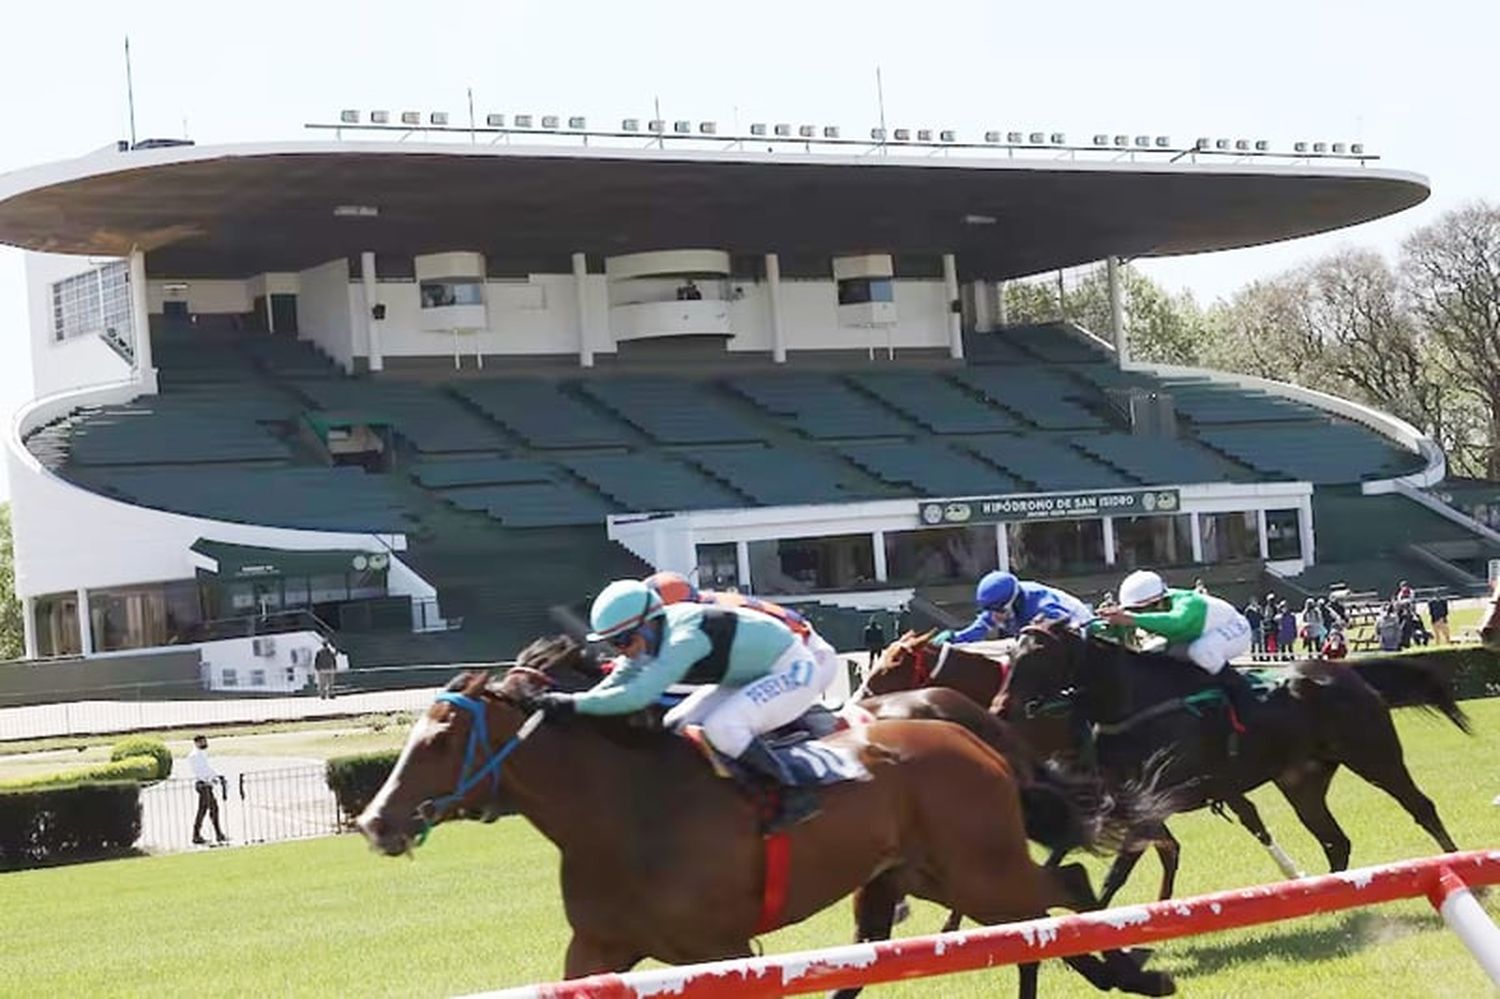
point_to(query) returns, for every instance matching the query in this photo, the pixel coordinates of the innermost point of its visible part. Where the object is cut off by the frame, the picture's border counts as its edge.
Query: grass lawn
(479, 909)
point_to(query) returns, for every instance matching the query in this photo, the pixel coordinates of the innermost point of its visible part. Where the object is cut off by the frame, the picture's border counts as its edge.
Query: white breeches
(1217, 646)
(732, 716)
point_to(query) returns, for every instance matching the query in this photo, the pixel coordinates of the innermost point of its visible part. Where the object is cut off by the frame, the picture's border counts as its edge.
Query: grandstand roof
(235, 211)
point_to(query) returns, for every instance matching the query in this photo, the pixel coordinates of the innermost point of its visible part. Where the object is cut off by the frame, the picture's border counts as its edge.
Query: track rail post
(1451, 897)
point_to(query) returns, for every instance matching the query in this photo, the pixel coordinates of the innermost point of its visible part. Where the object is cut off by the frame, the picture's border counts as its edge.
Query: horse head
(1489, 627)
(906, 664)
(451, 762)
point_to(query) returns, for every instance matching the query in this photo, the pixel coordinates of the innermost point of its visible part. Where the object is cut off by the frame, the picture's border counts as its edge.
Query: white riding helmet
(1141, 588)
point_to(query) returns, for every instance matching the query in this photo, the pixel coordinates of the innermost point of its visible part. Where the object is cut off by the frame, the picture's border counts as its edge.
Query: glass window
(1229, 537)
(452, 291)
(366, 585)
(1283, 534)
(327, 589)
(139, 617)
(55, 616)
(802, 565)
(1043, 548)
(718, 567)
(257, 678)
(860, 291)
(1153, 541)
(229, 677)
(940, 555)
(295, 592)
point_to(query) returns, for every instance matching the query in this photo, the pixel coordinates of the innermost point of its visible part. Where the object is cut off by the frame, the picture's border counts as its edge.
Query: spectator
(1314, 629)
(874, 638)
(325, 664)
(689, 293)
(1334, 647)
(1388, 629)
(1403, 593)
(1286, 625)
(1437, 610)
(1336, 606)
(1253, 617)
(1417, 633)
(1199, 586)
(1269, 625)
(204, 776)
(1406, 614)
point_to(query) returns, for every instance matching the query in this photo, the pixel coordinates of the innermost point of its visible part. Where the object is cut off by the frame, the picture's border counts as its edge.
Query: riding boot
(795, 803)
(1240, 697)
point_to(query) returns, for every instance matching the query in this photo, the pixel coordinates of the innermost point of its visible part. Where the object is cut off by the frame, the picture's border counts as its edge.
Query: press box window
(862, 291)
(451, 291)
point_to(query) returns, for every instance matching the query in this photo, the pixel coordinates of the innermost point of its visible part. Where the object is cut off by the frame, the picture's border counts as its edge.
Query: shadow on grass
(1353, 932)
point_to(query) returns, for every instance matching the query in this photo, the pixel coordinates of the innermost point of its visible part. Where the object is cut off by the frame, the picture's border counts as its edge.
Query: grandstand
(486, 423)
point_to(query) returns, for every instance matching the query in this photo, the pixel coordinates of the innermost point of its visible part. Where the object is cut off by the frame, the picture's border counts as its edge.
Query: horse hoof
(902, 913)
(1150, 983)
(1140, 955)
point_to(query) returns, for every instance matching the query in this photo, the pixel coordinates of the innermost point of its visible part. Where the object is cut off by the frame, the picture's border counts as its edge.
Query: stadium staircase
(501, 483)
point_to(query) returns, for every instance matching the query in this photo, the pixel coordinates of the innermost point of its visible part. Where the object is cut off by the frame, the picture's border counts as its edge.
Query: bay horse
(662, 859)
(912, 662)
(1131, 706)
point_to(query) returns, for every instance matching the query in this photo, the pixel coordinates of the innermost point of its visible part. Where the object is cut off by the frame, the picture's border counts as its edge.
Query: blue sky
(1409, 80)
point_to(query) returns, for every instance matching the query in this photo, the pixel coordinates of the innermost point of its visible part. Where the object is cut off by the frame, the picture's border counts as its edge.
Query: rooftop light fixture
(758, 128)
(379, 117)
(1014, 138)
(523, 120)
(947, 135)
(1203, 144)
(682, 127)
(349, 117)
(877, 134)
(656, 125)
(973, 219)
(355, 211)
(439, 118)
(830, 131)
(1243, 145)
(1122, 140)
(1058, 139)
(578, 123)
(807, 131)
(708, 128)
(1262, 146)
(411, 117)
(903, 135)
(1300, 147)
(494, 120)
(1338, 147)
(1163, 142)
(1320, 147)
(630, 124)
(1221, 144)
(924, 135)
(1358, 149)
(1037, 138)
(782, 130)
(992, 137)
(549, 122)
(1100, 139)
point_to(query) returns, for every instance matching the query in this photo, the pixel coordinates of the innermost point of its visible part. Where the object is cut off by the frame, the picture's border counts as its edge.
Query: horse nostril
(373, 826)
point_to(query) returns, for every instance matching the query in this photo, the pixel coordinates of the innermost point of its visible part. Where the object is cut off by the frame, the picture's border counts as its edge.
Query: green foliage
(48, 825)
(12, 627)
(132, 768)
(354, 780)
(137, 745)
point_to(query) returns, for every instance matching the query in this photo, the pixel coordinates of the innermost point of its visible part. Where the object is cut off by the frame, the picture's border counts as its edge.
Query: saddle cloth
(799, 745)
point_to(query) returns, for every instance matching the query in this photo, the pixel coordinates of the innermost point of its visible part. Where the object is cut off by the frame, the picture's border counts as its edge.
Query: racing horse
(911, 662)
(1130, 707)
(647, 833)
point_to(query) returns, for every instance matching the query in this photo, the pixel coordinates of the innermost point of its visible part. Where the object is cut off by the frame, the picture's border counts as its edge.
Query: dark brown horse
(1130, 707)
(662, 859)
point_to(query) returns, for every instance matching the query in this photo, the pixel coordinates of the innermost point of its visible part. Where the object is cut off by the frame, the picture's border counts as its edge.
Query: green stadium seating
(929, 468)
(820, 406)
(1047, 463)
(1318, 452)
(542, 415)
(1046, 398)
(481, 472)
(648, 482)
(778, 476)
(1160, 460)
(432, 421)
(673, 411)
(934, 402)
(533, 504)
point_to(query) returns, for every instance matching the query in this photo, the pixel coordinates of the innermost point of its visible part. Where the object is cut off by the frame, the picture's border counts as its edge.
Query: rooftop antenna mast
(472, 137)
(880, 96)
(130, 91)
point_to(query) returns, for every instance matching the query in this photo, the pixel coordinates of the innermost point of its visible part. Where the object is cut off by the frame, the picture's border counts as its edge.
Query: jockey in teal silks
(1198, 627)
(759, 676)
(1007, 604)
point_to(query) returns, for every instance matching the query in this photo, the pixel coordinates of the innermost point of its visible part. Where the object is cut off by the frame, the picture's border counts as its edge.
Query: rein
(471, 775)
(1192, 704)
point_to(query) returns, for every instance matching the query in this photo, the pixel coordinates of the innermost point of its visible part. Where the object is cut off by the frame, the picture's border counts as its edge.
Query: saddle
(799, 745)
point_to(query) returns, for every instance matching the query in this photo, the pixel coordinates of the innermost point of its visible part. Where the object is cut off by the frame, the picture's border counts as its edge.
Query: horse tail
(1067, 809)
(1414, 681)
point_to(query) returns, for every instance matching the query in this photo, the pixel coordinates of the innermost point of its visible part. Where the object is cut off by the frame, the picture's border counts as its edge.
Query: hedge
(50, 825)
(139, 745)
(135, 768)
(354, 780)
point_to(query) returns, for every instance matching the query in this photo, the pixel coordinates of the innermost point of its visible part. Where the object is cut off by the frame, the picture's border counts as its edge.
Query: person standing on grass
(1437, 610)
(204, 776)
(325, 663)
(1286, 623)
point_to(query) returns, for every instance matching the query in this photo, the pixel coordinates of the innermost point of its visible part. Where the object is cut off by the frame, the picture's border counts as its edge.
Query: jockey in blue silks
(1007, 604)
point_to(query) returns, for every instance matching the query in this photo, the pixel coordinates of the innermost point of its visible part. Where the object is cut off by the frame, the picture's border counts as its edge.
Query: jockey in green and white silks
(1198, 627)
(760, 675)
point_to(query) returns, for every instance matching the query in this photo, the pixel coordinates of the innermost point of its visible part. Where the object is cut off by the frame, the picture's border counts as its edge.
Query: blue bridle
(471, 775)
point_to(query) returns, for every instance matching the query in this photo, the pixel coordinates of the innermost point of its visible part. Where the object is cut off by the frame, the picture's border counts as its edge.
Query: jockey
(1007, 604)
(674, 587)
(1198, 627)
(758, 677)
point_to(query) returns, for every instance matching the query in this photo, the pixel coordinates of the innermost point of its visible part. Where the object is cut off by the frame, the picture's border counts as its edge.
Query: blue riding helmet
(997, 591)
(621, 608)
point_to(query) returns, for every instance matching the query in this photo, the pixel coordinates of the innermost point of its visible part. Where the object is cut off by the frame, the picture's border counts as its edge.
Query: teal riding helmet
(621, 607)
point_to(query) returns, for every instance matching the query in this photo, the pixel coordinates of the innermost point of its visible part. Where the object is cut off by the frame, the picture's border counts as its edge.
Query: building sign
(1052, 506)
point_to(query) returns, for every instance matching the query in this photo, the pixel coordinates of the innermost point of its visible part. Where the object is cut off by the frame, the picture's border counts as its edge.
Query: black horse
(1133, 710)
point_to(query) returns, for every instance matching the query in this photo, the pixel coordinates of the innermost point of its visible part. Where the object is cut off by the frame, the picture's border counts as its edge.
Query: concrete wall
(202, 297)
(325, 313)
(286, 660)
(72, 363)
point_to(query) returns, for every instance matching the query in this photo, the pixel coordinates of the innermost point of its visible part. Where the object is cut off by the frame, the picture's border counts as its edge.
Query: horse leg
(1119, 872)
(1168, 851)
(1249, 817)
(1305, 788)
(593, 956)
(874, 916)
(1389, 773)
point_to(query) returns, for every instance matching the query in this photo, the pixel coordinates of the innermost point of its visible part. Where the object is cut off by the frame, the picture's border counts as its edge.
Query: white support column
(1197, 537)
(878, 540)
(585, 317)
(1002, 547)
(773, 289)
(1309, 536)
(981, 295)
(1265, 542)
(28, 625)
(1109, 541)
(140, 319)
(85, 624)
(742, 565)
(1117, 312)
(1002, 310)
(372, 325)
(950, 296)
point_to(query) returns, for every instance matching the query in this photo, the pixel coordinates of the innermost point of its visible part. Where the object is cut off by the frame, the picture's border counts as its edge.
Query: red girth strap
(778, 872)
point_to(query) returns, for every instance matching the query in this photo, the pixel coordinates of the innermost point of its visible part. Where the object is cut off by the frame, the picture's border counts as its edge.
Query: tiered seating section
(1036, 409)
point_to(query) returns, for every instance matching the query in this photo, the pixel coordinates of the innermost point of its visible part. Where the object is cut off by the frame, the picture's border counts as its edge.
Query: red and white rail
(1444, 880)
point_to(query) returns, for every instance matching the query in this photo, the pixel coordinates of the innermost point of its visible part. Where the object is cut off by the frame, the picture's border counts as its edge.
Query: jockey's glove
(554, 705)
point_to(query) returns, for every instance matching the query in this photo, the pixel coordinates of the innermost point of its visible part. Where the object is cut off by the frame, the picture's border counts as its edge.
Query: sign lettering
(1049, 506)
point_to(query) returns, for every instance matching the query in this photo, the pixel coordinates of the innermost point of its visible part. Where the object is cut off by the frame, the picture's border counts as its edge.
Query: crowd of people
(1321, 626)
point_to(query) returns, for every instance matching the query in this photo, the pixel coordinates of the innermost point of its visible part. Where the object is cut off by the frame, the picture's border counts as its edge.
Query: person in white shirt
(204, 776)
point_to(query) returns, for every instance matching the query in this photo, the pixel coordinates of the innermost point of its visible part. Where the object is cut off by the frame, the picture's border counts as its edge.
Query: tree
(12, 633)
(1451, 276)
